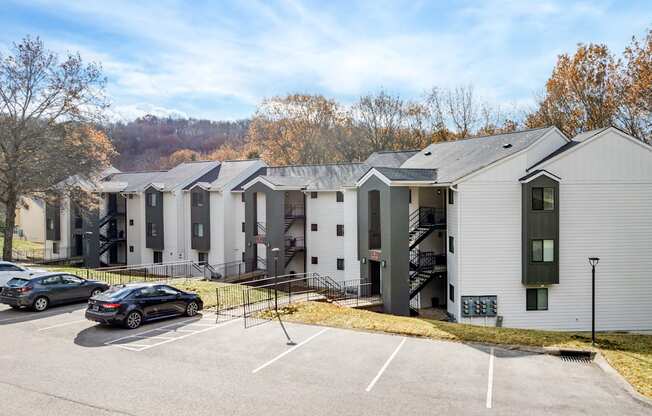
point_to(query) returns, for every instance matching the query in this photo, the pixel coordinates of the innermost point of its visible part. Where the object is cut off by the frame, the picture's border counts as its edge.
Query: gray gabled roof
(317, 177)
(390, 158)
(167, 180)
(184, 174)
(456, 159)
(130, 181)
(230, 170)
(408, 175)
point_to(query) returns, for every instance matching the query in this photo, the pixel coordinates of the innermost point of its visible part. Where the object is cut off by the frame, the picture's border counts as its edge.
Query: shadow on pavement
(99, 335)
(14, 316)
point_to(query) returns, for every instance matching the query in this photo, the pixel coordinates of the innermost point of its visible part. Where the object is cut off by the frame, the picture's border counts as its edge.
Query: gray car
(40, 291)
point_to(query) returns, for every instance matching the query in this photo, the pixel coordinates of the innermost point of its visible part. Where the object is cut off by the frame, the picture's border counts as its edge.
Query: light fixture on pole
(593, 261)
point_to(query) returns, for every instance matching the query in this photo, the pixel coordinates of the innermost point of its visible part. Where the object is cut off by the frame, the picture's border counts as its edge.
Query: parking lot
(56, 362)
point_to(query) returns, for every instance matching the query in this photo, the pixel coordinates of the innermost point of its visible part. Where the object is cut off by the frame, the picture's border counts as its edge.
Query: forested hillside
(148, 142)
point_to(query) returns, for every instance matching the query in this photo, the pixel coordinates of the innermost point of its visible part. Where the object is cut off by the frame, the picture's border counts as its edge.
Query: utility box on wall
(479, 306)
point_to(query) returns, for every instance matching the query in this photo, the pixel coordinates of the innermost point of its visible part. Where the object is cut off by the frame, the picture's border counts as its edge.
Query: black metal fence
(157, 272)
(253, 300)
(232, 269)
(46, 255)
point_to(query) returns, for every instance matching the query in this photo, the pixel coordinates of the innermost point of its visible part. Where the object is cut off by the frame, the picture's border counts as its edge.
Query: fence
(155, 272)
(224, 271)
(251, 300)
(46, 255)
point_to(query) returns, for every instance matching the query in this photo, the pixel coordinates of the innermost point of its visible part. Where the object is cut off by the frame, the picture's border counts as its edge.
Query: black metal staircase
(423, 221)
(293, 245)
(111, 235)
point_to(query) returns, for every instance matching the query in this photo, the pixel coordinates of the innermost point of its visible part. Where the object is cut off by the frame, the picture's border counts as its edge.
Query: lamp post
(593, 261)
(275, 250)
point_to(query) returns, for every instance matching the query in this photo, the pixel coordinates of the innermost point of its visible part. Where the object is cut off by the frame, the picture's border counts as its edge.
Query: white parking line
(490, 383)
(283, 354)
(142, 347)
(63, 324)
(384, 367)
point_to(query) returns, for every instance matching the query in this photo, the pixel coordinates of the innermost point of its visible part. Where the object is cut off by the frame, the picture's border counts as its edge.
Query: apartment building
(185, 213)
(498, 230)
(493, 230)
(307, 212)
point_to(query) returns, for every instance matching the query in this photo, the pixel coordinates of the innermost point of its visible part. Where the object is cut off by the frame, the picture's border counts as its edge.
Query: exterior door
(374, 276)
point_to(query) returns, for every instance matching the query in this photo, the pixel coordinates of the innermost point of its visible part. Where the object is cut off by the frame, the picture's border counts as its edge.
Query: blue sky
(218, 59)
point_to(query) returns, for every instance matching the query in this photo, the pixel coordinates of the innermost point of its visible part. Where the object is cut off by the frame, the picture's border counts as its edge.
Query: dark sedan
(41, 291)
(131, 305)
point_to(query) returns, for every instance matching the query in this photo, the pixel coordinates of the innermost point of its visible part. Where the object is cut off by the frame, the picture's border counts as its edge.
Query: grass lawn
(21, 245)
(630, 354)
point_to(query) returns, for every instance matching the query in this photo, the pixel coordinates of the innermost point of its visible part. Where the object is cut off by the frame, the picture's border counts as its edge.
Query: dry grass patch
(630, 354)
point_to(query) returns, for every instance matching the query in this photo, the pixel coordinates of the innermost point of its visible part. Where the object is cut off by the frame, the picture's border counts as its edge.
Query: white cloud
(505, 48)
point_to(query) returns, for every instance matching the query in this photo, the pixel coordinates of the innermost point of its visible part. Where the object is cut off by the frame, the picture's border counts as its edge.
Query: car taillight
(24, 289)
(111, 305)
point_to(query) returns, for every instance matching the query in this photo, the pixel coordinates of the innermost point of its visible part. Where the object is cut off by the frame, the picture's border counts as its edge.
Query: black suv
(131, 305)
(45, 289)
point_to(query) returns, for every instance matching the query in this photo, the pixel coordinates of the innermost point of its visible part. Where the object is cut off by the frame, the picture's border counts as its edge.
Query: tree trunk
(10, 222)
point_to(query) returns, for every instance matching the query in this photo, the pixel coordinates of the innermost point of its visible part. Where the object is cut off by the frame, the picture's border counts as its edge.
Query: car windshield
(117, 292)
(17, 282)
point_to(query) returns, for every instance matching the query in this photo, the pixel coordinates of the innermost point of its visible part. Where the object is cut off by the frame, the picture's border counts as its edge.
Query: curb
(621, 381)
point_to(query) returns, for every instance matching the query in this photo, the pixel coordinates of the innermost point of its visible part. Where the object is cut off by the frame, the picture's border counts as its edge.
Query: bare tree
(455, 112)
(48, 111)
(380, 118)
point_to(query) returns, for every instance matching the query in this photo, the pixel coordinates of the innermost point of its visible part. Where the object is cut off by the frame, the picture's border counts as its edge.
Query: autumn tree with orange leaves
(593, 89)
(49, 110)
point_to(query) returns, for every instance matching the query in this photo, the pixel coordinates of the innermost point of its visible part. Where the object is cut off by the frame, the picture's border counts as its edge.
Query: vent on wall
(428, 153)
(507, 146)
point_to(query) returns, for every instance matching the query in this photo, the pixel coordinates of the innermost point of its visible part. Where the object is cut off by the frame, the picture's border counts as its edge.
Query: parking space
(206, 366)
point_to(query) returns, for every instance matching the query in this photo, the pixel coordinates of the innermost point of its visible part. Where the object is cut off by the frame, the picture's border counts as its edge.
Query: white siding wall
(136, 232)
(327, 213)
(235, 217)
(452, 229)
(605, 195)
(32, 219)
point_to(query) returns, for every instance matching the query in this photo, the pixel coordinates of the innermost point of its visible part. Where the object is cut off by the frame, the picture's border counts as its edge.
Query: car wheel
(191, 309)
(40, 304)
(95, 292)
(133, 320)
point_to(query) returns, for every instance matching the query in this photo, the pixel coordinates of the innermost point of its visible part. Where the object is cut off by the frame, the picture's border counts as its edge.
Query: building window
(543, 251)
(131, 249)
(451, 244)
(202, 257)
(158, 257)
(314, 260)
(131, 222)
(340, 230)
(340, 264)
(451, 196)
(451, 293)
(339, 196)
(313, 227)
(243, 256)
(198, 230)
(151, 199)
(243, 227)
(55, 248)
(537, 299)
(197, 199)
(151, 229)
(409, 196)
(242, 198)
(543, 199)
(313, 195)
